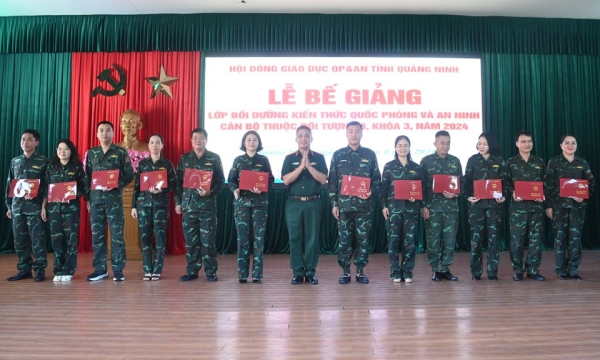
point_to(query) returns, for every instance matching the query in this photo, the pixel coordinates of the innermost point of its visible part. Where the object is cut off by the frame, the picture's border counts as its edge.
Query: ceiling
(576, 9)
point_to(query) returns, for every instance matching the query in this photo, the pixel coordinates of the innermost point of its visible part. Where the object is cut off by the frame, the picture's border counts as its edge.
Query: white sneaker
(57, 278)
(408, 280)
(67, 278)
(397, 280)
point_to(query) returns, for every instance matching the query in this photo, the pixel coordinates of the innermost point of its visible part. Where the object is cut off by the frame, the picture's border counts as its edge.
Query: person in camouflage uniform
(25, 212)
(485, 215)
(304, 171)
(353, 213)
(199, 208)
(401, 216)
(151, 208)
(567, 213)
(106, 205)
(440, 210)
(64, 217)
(250, 207)
(525, 216)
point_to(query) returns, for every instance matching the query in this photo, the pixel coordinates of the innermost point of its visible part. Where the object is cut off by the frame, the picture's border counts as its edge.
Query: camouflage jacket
(560, 167)
(478, 168)
(116, 158)
(22, 167)
(345, 161)
(394, 170)
(189, 199)
(435, 164)
(305, 184)
(256, 163)
(146, 198)
(520, 170)
(57, 173)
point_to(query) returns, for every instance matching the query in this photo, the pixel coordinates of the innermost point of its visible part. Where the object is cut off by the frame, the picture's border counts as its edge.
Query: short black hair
(523, 133)
(303, 127)
(251, 132)
(353, 123)
(36, 135)
(104, 122)
(562, 139)
(199, 131)
(442, 133)
(492, 142)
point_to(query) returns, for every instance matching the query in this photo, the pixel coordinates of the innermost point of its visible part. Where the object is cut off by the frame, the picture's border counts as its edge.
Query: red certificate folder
(157, 179)
(488, 189)
(254, 179)
(355, 185)
(105, 178)
(196, 179)
(406, 189)
(449, 183)
(62, 191)
(22, 187)
(574, 187)
(529, 190)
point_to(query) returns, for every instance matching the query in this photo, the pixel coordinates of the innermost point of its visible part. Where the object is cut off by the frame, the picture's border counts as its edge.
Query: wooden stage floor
(169, 319)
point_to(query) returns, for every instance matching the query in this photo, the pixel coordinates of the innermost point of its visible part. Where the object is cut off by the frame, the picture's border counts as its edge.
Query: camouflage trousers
(526, 225)
(250, 223)
(401, 231)
(64, 232)
(199, 230)
(353, 230)
(153, 220)
(485, 223)
(303, 220)
(100, 215)
(441, 231)
(567, 225)
(30, 239)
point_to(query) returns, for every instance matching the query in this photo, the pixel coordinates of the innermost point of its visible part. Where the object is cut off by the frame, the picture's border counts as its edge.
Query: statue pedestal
(133, 244)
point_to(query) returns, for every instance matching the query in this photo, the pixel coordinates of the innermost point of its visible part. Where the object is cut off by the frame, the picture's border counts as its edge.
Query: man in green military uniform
(526, 216)
(200, 208)
(353, 213)
(304, 171)
(25, 211)
(440, 210)
(106, 204)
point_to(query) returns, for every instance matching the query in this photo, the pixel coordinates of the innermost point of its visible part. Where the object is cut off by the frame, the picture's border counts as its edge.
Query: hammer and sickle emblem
(118, 87)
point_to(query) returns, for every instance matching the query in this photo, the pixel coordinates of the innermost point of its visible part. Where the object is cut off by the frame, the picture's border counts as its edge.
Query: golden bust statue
(131, 124)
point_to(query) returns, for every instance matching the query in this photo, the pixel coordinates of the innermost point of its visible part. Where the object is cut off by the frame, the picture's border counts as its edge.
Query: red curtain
(173, 118)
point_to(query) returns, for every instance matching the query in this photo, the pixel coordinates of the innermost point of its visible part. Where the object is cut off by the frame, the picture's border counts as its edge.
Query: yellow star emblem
(162, 83)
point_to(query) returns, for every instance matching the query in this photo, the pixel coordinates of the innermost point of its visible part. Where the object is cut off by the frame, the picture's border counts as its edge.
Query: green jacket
(256, 163)
(189, 199)
(478, 168)
(305, 184)
(57, 173)
(345, 161)
(394, 170)
(116, 158)
(21, 167)
(521, 170)
(560, 167)
(146, 198)
(434, 164)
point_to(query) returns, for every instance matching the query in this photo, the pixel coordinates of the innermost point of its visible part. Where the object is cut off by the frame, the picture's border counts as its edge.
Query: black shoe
(311, 279)
(297, 280)
(39, 277)
(476, 277)
(537, 277)
(448, 276)
(344, 279)
(576, 277)
(212, 277)
(256, 281)
(436, 276)
(188, 277)
(243, 281)
(362, 278)
(493, 277)
(118, 276)
(97, 275)
(563, 276)
(518, 277)
(21, 275)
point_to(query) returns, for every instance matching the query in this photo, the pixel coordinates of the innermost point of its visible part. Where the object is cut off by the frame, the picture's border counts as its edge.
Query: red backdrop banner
(174, 119)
